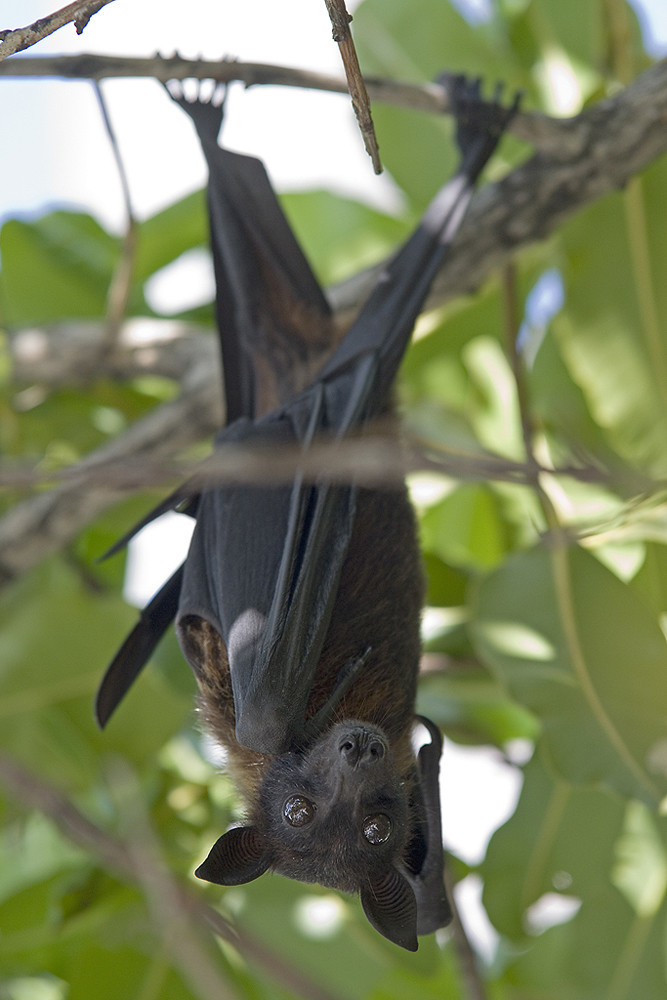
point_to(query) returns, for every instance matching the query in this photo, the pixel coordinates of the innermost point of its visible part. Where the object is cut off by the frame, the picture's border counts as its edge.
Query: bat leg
(349, 673)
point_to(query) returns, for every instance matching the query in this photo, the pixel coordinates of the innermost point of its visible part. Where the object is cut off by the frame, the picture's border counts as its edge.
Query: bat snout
(362, 747)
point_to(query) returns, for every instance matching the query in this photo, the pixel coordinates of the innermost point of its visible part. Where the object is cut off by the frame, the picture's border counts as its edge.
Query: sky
(56, 152)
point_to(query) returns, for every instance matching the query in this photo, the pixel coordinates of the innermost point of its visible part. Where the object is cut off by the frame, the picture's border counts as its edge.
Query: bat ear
(239, 856)
(390, 905)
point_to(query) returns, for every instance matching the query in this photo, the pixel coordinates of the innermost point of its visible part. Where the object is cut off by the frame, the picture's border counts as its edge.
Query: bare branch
(18, 39)
(533, 127)
(340, 21)
(73, 353)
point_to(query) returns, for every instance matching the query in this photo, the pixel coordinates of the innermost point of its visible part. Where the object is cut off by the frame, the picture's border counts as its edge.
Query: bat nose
(362, 747)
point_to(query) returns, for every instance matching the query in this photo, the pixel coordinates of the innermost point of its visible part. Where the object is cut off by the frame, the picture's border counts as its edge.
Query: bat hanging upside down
(298, 607)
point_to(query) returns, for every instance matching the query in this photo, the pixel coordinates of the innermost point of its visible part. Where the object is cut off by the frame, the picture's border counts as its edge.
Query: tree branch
(66, 355)
(472, 981)
(18, 39)
(531, 126)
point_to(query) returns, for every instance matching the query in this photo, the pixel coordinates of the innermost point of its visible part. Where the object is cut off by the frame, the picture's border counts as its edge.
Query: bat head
(338, 814)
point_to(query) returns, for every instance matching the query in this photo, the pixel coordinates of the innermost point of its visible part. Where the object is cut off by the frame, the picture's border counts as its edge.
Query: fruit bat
(298, 606)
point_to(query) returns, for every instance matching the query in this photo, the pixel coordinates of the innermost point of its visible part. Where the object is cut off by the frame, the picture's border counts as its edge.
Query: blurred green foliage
(560, 646)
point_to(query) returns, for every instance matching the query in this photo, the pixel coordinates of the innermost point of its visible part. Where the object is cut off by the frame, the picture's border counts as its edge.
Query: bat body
(298, 606)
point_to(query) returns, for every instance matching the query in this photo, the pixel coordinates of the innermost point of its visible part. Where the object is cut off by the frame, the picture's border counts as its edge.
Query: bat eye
(298, 811)
(377, 828)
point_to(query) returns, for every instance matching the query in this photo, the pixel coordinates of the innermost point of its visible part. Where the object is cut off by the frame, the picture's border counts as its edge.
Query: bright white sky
(55, 151)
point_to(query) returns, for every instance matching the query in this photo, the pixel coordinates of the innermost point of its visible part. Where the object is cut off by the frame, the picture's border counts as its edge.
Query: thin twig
(118, 295)
(17, 39)
(340, 21)
(473, 984)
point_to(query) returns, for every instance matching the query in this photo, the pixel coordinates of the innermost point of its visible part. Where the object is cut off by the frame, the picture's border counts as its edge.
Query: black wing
(264, 564)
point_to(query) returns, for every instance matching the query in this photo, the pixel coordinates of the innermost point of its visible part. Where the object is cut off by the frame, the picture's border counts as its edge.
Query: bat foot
(477, 117)
(205, 105)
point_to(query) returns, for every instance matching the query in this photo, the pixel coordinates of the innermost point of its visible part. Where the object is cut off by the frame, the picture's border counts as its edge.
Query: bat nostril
(362, 746)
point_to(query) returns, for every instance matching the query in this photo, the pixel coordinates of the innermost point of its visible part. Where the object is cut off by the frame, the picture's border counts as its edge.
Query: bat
(298, 605)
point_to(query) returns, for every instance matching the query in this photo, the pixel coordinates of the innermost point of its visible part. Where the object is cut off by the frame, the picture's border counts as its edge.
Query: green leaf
(561, 839)
(610, 331)
(341, 236)
(580, 649)
(33, 853)
(651, 580)
(57, 267)
(466, 528)
(163, 237)
(446, 585)
(605, 951)
(49, 675)
(560, 408)
(472, 707)
(640, 872)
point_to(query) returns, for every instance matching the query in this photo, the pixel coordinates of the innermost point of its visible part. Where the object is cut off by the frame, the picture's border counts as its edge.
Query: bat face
(339, 815)
(338, 812)
(298, 606)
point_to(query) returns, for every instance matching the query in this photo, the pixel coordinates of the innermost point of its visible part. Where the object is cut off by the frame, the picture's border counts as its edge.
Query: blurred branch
(73, 353)
(175, 909)
(145, 457)
(66, 355)
(48, 521)
(80, 12)
(473, 984)
(374, 459)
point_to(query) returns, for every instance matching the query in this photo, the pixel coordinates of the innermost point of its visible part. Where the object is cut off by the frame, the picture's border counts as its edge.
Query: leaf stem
(542, 845)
